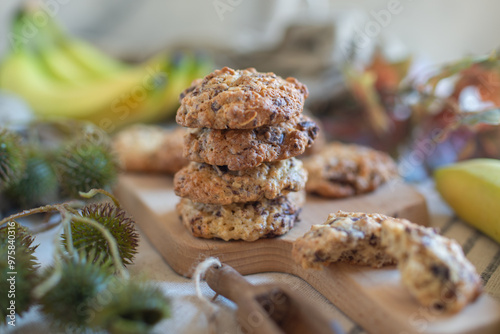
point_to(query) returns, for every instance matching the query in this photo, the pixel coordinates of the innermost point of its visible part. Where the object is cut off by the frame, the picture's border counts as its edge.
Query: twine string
(211, 309)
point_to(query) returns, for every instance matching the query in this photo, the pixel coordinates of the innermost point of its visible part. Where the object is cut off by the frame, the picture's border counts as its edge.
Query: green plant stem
(66, 223)
(92, 192)
(54, 278)
(68, 214)
(25, 213)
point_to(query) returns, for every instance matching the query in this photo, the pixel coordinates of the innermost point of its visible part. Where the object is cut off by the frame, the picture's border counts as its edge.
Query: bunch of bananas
(60, 76)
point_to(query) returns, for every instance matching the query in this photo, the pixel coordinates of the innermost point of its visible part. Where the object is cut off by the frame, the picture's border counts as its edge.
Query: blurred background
(367, 64)
(437, 30)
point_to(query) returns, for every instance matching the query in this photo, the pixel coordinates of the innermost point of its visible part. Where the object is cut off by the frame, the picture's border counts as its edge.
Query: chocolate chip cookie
(241, 221)
(433, 268)
(240, 99)
(349, 237)
(218, 185)
(342, 170)
(147, 148)
(242, 149)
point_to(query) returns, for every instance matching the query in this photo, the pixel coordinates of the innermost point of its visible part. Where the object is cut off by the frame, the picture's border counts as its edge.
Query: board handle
(269, 308)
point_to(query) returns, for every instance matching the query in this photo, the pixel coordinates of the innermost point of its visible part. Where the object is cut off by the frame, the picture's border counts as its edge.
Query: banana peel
(472, 189)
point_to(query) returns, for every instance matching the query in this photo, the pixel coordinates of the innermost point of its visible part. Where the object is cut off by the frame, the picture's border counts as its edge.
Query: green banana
(182, 70)
(175, 76)
(178, 79)
(140, 104)
(61, 67)
(91, 59)
(68, 60)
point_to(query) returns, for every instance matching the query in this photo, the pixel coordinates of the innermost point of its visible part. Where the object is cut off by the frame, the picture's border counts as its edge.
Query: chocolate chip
(319, 256)
(440, 271)
(216, 92)
(271, 234)
(306, 125)
(187, 91)
(274, 136)
(194, 220)
(223, 169)
(373, 240)
(438, 306)
(313, 132)
(215, 106)
(272, 116)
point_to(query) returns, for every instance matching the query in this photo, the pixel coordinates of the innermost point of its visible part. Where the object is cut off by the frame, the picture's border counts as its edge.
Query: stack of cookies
(243, 181)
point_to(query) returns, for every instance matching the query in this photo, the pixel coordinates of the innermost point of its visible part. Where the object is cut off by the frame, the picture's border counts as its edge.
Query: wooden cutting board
(374, 298)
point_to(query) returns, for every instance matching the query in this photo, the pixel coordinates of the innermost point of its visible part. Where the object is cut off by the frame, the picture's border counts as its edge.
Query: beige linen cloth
(189, 313)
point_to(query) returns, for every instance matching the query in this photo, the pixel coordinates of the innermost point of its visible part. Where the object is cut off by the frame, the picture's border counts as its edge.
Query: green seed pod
(90, 240)
(132, 307)
(16, 242)
(38, 186)
(86, 164)
(12, 158)
(69, 304)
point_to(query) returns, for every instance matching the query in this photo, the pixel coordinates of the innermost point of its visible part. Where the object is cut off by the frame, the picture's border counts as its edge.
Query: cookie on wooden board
(350, 237)
(241, 221)
(433, 268)
(242, 149)
(240, 99)
(218, 185)
(343, 170)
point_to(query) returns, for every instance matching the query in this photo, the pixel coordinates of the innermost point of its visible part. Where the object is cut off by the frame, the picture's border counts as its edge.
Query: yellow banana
(22, 74)
(62, 77)
(472, 189)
